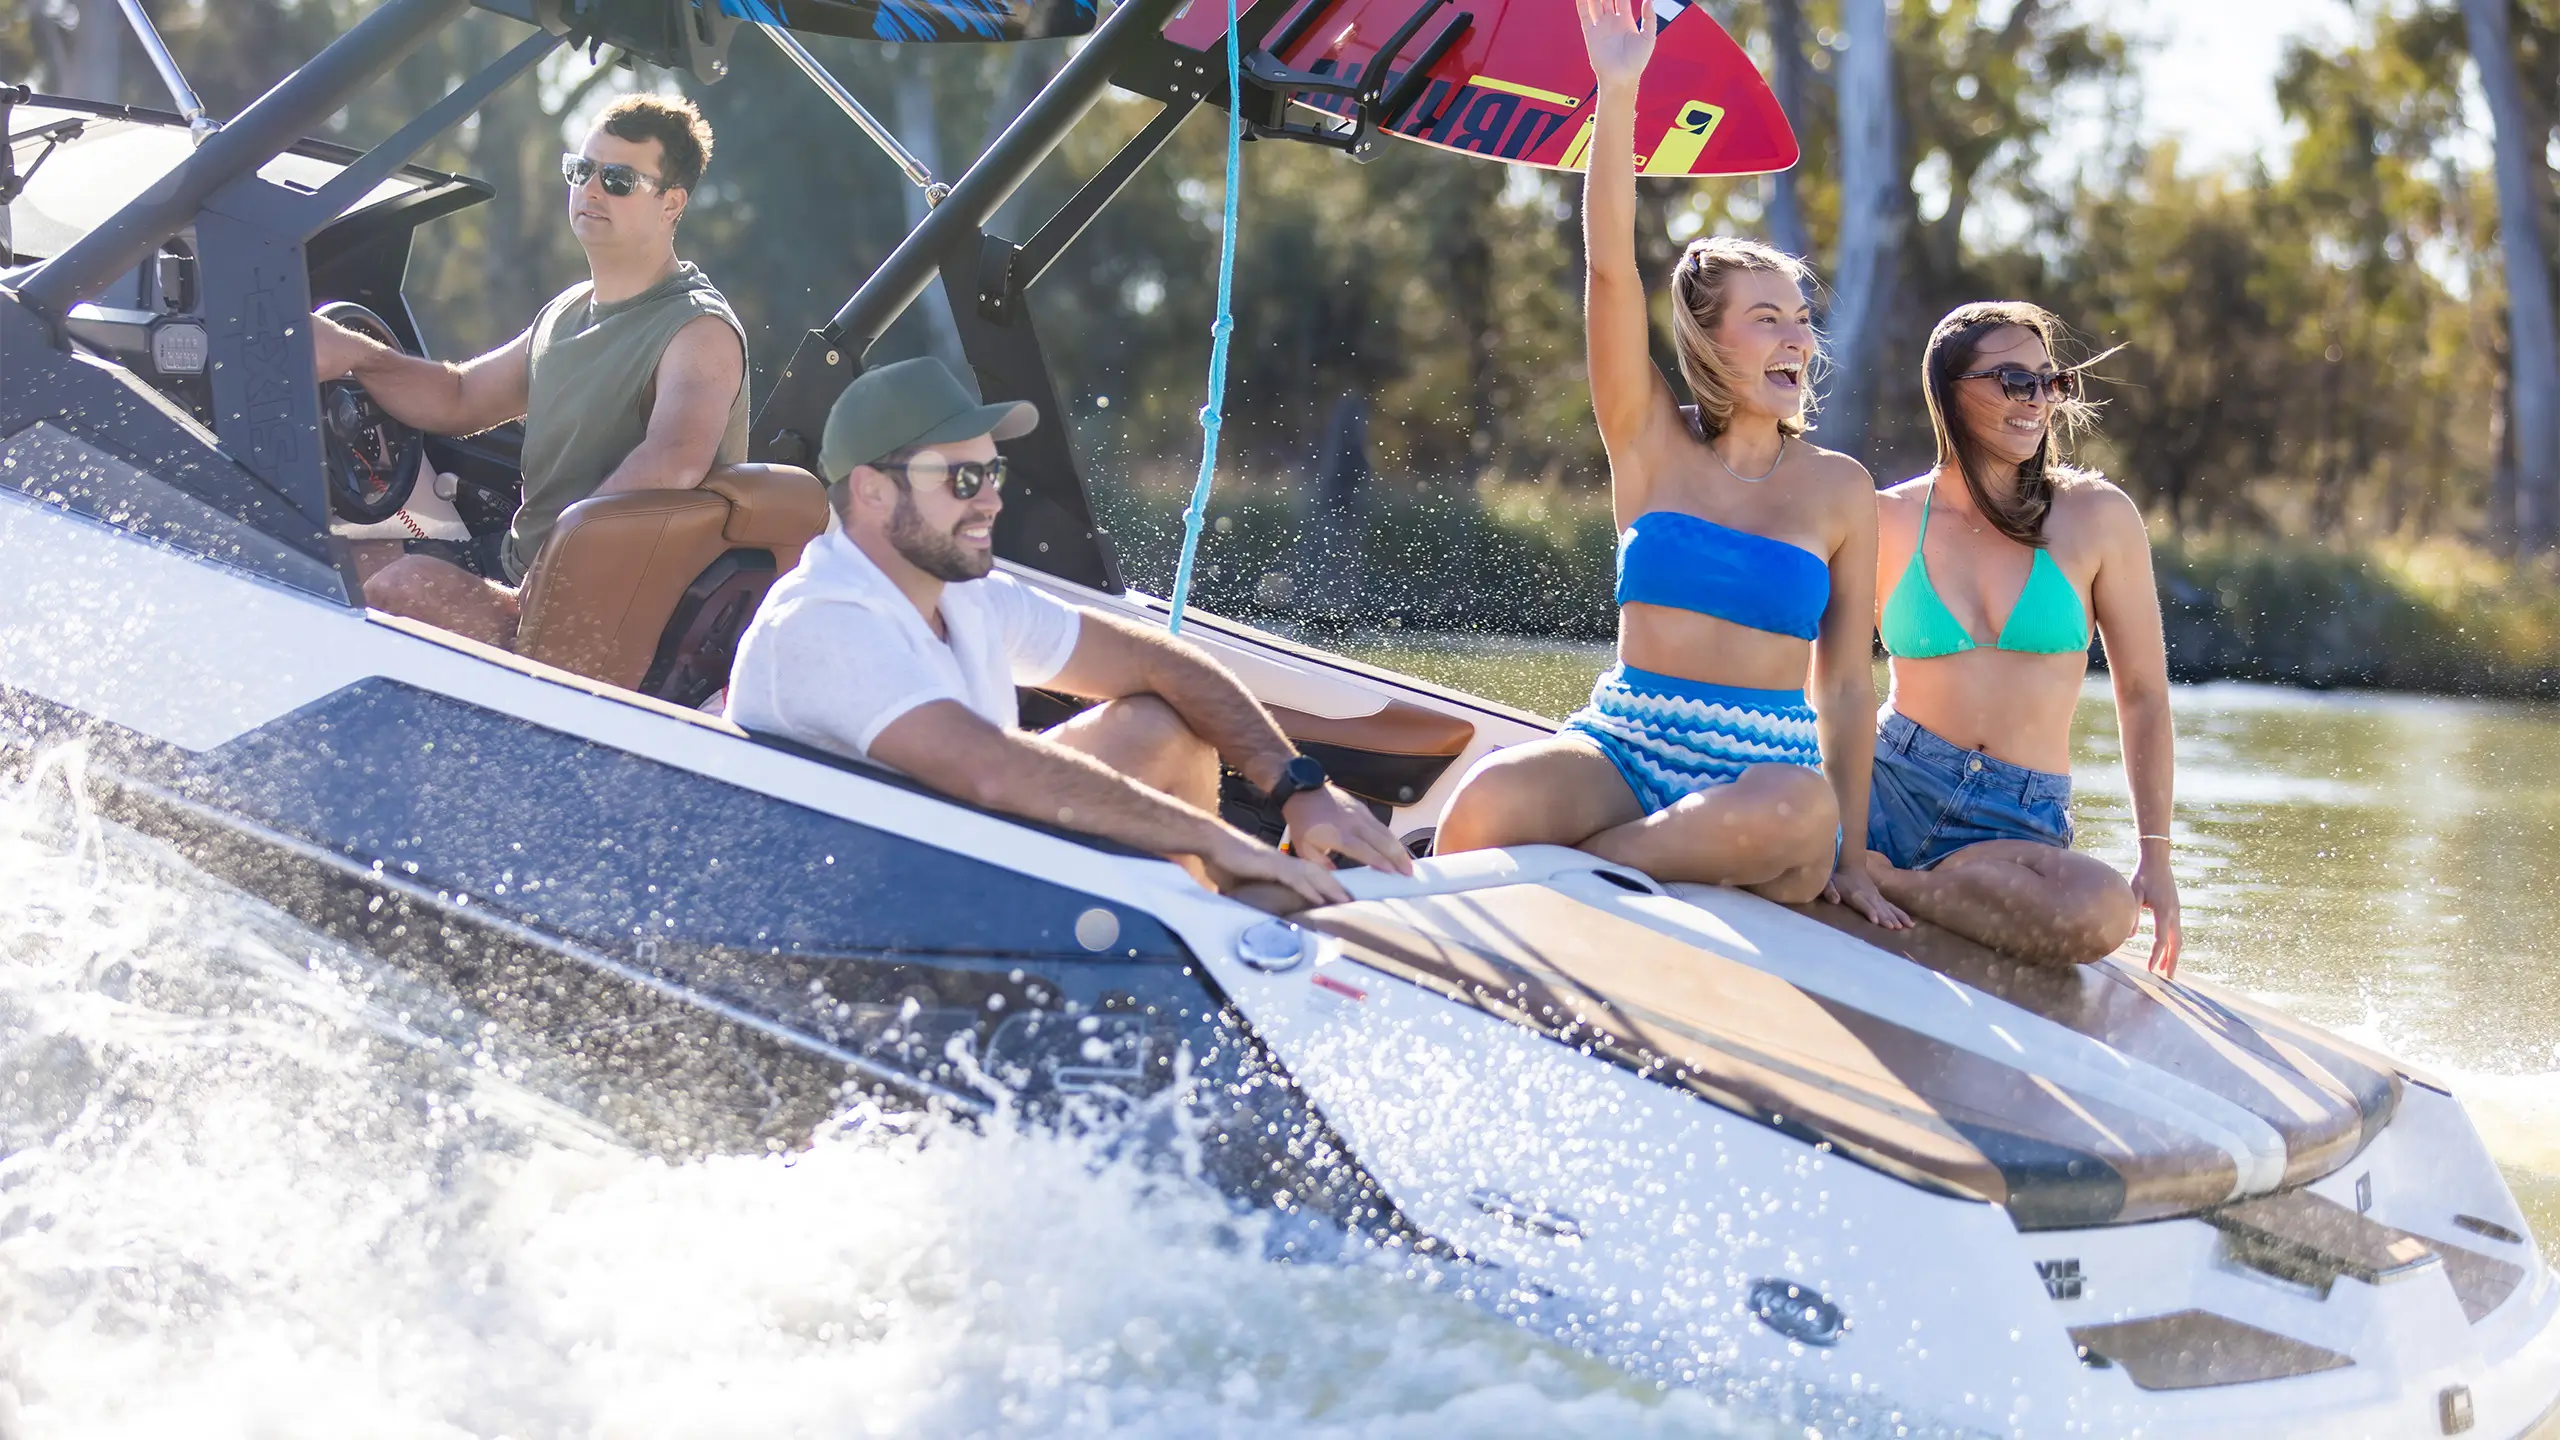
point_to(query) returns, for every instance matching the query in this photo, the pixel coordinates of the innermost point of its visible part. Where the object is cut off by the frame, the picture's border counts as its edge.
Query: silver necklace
(1751, 479)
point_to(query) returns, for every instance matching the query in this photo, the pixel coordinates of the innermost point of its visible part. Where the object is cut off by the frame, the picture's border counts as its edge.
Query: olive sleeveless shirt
(591, 376)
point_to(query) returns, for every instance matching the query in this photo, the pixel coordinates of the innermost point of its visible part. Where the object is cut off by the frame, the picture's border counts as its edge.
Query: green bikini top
(2047, 620)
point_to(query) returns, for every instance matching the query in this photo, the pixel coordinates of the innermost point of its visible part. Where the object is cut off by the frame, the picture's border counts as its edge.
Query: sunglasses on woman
(2022, 384)
(965, 480)
(619, 180)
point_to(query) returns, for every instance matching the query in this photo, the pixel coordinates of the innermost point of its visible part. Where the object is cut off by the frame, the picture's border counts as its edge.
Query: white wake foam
(251, 1188)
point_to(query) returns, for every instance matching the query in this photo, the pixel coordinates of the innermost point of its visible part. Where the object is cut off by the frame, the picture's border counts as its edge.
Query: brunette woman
(1993, 569)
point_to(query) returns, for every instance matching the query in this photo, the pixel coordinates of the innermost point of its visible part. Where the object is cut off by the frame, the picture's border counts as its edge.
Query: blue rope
(1211, 416)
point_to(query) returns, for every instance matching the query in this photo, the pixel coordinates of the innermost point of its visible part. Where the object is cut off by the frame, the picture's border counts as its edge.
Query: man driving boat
(896, 639)
(634, 379)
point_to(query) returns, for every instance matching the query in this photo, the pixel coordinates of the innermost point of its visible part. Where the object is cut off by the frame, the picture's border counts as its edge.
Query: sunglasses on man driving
(619, 180)
(965, 479)
(2022, 384)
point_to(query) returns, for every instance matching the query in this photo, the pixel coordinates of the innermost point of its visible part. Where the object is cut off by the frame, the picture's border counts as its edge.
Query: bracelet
(2163, 839)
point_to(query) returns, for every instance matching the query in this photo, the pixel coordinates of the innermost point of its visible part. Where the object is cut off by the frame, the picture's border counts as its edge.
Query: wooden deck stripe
(1910, 1142)
(1828, 959)
(1662, 1002)
(2265, 1064)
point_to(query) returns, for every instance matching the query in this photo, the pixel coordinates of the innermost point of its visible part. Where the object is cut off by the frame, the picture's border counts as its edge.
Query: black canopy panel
(693, 35)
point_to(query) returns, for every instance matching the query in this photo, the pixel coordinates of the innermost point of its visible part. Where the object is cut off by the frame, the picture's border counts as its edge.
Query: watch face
(1305, 773)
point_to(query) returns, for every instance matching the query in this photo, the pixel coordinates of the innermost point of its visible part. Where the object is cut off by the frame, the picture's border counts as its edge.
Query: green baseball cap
(914, 402)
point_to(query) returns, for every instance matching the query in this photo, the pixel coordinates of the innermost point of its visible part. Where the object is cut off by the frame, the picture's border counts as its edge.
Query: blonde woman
(1746, 562)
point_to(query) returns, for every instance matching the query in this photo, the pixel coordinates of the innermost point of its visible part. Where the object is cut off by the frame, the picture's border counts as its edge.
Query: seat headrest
(770, 505)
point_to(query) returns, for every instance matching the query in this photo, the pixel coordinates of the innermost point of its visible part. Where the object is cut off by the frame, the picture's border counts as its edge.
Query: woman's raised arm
(1627, 391)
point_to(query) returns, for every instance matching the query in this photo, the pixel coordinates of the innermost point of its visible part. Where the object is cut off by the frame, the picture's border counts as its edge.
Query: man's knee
(1171, 755)
(421, 588)
(1150, 722)
(395, 587)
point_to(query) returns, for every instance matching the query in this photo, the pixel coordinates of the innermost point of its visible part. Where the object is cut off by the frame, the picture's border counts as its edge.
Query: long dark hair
(1953, 348)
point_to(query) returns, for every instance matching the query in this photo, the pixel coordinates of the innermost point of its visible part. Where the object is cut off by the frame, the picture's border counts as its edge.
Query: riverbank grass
(1514, 557)
(2439, 616)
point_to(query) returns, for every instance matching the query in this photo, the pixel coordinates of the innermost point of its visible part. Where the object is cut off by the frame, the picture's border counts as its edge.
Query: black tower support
(788, 426)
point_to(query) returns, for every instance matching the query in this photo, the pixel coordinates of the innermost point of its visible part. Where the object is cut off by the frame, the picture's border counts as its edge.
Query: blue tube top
(1685, 563)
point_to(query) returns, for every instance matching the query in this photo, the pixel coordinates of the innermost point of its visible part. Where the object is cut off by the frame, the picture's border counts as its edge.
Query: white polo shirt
(838, 651)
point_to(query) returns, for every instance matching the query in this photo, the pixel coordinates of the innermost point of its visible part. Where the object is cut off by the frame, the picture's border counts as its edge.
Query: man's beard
(934, 552)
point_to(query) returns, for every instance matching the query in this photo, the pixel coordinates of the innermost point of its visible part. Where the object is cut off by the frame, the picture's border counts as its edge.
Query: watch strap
(1303, 772)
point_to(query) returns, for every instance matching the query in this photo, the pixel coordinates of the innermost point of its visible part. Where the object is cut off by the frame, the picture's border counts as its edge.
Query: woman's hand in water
(1619, 35)
(1852, 886)
(2156, 890)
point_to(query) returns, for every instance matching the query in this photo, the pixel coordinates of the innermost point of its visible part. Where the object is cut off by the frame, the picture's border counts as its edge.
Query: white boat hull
(1624, 1215)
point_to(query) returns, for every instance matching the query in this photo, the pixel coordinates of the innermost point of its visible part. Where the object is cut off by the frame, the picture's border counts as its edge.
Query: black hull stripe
(717, 1048)
(613, 851)
(241, 852)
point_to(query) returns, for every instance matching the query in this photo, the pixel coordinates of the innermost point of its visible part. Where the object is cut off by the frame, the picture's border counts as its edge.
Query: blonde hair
(1699, 286)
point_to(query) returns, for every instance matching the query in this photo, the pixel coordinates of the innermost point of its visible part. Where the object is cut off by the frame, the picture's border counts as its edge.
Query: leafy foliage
(2314, 341)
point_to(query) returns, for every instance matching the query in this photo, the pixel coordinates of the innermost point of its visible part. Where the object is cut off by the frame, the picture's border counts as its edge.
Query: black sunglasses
(2022, 384)
(619, 180)
(965, 480)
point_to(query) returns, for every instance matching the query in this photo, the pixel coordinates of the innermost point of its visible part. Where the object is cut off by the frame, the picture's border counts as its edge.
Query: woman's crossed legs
(1773, 830)
(2022, 898)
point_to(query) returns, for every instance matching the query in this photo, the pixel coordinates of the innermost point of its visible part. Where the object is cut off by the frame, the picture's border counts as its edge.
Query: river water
(255, 1186)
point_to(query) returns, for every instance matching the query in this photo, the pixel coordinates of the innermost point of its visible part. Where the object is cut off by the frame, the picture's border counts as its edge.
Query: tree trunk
(96, 69)
(1787, 80)
(1328, 583)
(2501, 518)
(923, 138)
(1474, 194)
(2524, 189)
(1871, 215)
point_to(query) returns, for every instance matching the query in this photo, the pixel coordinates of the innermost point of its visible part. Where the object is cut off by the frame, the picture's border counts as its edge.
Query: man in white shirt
(896, 640)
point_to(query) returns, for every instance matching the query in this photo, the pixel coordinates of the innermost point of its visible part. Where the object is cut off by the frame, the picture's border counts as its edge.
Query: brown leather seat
(1392, 757)
(650, 589)
(1401, 728)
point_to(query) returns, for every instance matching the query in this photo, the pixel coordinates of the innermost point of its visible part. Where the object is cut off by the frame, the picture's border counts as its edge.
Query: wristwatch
(1303, 772)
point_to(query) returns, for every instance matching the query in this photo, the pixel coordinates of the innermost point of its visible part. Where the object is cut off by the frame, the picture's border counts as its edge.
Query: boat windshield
(104, 162)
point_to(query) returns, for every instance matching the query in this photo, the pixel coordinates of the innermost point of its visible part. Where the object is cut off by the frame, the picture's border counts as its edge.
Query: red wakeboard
(1516, 85)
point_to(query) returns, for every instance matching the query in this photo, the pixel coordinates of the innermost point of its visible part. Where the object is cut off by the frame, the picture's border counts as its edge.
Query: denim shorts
(1932, 798)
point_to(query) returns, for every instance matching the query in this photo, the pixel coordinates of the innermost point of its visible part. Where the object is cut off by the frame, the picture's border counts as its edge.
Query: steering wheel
(372, 458)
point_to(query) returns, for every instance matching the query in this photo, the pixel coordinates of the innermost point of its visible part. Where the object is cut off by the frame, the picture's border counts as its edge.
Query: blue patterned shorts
(1671, 737)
